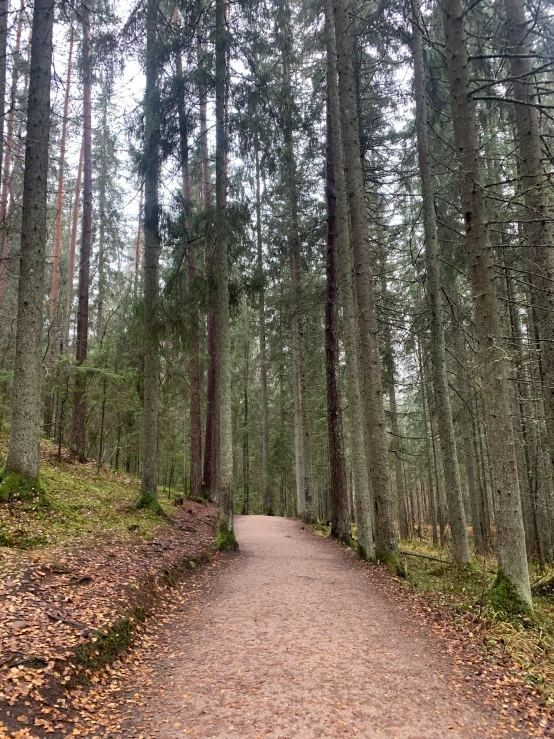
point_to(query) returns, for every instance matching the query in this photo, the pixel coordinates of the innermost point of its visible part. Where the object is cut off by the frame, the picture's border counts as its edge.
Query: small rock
(18, 625)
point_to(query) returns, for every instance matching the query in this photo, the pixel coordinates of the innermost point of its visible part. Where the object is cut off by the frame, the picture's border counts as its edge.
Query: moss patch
(225, 539)
(14, 487)
(505, 600)
(393, 562)
(148, 501)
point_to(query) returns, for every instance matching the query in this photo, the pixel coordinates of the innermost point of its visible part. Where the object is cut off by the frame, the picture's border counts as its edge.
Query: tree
(512, 557)
(79, 432)
(460, 546)
(148, 496)
(21, 473)
(385, 539)
(225, 538)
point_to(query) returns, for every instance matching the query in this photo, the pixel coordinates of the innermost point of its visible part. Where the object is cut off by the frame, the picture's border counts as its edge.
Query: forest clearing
(279, 270)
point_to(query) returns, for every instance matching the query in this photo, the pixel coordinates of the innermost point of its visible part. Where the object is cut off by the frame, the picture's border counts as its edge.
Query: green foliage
(225, 539)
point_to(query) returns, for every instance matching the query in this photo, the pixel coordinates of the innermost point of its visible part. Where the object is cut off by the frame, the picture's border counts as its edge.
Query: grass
(528, 641)
(82, 504)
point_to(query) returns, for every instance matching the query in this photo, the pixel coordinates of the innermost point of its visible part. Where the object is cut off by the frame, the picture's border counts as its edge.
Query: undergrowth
(84, 504)
(505, 629)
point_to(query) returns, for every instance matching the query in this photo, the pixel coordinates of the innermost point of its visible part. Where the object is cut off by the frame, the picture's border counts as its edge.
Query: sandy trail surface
(293, 638)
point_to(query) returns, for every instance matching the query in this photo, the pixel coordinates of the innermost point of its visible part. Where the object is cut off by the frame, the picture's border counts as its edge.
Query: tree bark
(454, 496)
(537, 226)
(195, 411)
(148, 496)
(79, 431)
(8, 150)
(305, 491)
(23, 455)
(350, 336)
(266, 489)
(385, 538)
(340, 509)
(492, 361)
(225, 471)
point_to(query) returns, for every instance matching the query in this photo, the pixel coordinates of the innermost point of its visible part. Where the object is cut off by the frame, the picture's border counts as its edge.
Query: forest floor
(295, 637)
(80, 572)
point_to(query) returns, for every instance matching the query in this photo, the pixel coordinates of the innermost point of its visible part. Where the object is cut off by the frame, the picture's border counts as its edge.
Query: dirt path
(291, 639)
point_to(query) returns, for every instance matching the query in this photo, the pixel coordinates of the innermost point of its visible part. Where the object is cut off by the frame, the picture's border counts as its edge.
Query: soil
(294, 637)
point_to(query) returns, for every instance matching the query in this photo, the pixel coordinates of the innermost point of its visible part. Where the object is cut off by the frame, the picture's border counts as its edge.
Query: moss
(364, 554)
(149, 501)
(15, 486)
(225, 539)
(505, 599)
(200, 499)
(107, 645)
(394, 563)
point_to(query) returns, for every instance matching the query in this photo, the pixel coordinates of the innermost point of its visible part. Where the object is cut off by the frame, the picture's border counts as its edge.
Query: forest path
(292, 638)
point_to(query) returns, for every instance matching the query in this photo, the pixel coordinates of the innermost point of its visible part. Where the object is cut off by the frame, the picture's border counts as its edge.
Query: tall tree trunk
(226, 538)
(54, 329)
(389, 367)
(102, 204)
(305, 493)
(79, 431)
(245, 437)
(59, 194)
(148, 496)
(23, 455)
(350, 336)
(385, 538)
(211, 443)
(4, 9)
(340, 509)
(8, 150)
(492, 361)
(537, 225)
(195, 411)
(73, 246)
(454, 496)
(266, 489)
(138, 246)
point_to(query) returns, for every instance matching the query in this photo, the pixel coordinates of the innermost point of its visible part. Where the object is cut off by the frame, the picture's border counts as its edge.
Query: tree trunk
(195, 487)
(537, 226)
(24, 455)
(266, 489)
(148, 496)
(211, 443)
(102, 183)
(306, 498)
(350, 337)
(460, 546)
(8, 150)
(492, 361)
(79, 431)
(54, 329)
(73, 247)
(385, 538)
(225, 472)
(340, 509)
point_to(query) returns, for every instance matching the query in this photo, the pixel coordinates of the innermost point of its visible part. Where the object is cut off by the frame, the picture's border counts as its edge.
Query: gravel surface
(291, 638)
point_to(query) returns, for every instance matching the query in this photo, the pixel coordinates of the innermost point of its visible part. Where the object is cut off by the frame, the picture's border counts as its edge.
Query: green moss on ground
(394, 562)
(105, 646)
(17, 487)
(82, 504)
(225, 539)
(148, 501)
